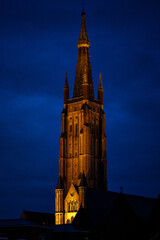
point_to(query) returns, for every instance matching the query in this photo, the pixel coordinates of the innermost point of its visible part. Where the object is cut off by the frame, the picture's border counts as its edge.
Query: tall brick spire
(83, 62)
(82, 142)
(66, 90)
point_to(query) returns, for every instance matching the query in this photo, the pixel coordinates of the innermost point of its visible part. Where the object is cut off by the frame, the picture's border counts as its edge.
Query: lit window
(68, 206)
(72, 206)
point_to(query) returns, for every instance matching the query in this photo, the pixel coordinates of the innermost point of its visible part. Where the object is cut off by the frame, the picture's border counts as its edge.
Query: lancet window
(76, 129)
(72, 206)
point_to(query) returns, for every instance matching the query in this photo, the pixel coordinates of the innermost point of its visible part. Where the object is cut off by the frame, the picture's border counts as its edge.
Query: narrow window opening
(76, 130)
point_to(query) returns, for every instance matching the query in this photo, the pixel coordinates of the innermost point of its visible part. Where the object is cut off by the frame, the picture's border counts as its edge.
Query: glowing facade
(82, 144)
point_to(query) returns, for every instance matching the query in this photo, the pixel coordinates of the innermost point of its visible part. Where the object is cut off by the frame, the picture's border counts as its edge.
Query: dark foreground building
(108, 215)
(84, 208)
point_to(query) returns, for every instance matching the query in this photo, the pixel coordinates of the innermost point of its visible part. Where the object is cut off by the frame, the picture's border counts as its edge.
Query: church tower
(82, 143)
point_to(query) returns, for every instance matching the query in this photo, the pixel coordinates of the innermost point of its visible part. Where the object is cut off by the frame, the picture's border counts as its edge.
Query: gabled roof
(105, 200)
(72, 192)
(82, 219)
(104, 205)
(83, 182)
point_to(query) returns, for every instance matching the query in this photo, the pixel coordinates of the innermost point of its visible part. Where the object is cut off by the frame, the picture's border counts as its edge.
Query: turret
(59, 205)
(66, 90)
(100, 90)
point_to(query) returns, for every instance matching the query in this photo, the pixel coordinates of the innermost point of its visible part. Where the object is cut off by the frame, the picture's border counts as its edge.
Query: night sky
(38, 45)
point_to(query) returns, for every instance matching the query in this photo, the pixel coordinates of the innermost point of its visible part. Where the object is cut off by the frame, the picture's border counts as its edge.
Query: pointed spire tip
(83, 41)
(100, 86)
(66, 81)
(83, 14)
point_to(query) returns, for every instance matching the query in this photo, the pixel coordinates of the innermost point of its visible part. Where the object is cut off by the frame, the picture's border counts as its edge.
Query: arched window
(76, 129)
(72, 205)
(68, 206)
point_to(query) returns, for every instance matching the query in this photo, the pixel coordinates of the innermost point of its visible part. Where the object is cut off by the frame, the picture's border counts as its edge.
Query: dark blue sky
(38, 44)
